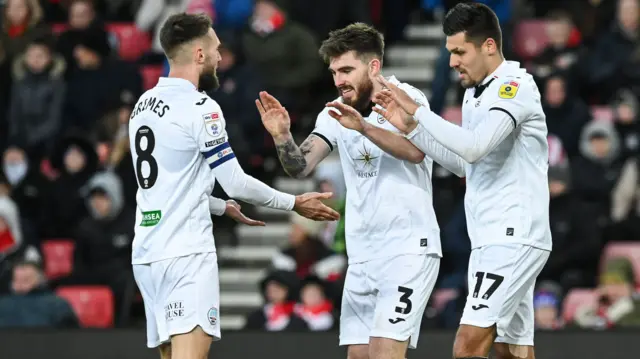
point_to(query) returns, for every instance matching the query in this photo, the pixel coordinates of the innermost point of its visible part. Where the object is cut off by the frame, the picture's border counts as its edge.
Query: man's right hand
(275, 117)
(310, 205)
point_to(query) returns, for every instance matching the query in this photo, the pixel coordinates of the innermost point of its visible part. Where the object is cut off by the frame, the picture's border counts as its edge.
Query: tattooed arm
(300, 161)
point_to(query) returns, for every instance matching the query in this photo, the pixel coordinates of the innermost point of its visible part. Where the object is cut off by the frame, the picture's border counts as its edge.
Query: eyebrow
(343, 68)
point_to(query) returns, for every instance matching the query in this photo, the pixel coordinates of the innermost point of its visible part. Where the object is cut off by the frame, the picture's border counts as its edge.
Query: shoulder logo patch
(508, 89)
(212, 123)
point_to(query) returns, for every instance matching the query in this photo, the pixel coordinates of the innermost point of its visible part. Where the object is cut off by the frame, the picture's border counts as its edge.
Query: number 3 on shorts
(496, 281)
(404, 299)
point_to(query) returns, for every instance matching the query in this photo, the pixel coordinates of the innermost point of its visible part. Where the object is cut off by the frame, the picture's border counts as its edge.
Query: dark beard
(208, 82)
(363, 101)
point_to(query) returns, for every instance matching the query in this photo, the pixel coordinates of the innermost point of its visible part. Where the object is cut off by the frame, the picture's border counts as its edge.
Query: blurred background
(71, 71)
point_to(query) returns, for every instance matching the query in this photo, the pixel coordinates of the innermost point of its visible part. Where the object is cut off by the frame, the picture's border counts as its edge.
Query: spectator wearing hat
(547, 301)
(37, 97)
(577, 238)
(625, 111)
(280, 291)
(315, 307)
(307, 254)
(98, 83)
(284, 52)
(31, 303)
(618, 303)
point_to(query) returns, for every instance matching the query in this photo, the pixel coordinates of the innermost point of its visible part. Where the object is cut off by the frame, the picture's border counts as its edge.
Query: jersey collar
(175, 82)
(504, 66)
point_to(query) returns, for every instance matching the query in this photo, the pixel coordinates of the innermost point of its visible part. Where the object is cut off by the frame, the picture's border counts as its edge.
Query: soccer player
(503, 142)
(180, 148)
(392, 236)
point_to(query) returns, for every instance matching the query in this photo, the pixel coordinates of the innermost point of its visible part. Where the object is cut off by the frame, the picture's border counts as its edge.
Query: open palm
(275, 117)
(392, 112)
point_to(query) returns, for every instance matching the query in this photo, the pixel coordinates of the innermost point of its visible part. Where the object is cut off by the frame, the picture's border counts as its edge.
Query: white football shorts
(387, 298)
(501, 281)
(180, 294)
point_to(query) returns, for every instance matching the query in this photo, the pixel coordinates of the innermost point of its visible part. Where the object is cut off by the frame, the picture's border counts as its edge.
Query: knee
(472, 342)
(512, 351)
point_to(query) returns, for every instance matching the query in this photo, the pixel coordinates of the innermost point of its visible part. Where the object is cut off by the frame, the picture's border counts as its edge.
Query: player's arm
(392, 143)
(300, 161)
(440, 154)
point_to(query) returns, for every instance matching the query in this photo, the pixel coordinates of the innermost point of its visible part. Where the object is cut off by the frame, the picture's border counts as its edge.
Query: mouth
(346, 91)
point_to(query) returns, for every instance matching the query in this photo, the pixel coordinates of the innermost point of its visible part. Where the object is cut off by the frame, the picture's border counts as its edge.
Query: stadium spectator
(560, 55)
(83, 109)
(76, 161)
(103, 242)
(5, 93)
(625, 114)
(618, 303)
(153, 13)
(577, 238)
(10, 239)
(21, 19)
(567, 114)
(30, 189)
(82, 18)
(32, 304)
(314, 307)
(280, 290)
(547, 301)
(307, 254)
(37, 97)
(336, 14)
(610, 59)
(625, 208)
(267, 45)
(596, 171)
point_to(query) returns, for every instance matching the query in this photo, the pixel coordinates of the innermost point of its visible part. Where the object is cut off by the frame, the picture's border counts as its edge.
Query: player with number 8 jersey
(180, 149)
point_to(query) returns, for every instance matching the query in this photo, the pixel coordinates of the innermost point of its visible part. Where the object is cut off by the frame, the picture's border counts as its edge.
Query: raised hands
(348, 116)
(397, 106)
(275, 117)
(310, 205)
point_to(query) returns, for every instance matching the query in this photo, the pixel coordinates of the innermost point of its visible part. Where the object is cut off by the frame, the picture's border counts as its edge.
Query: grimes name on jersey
(151, 104)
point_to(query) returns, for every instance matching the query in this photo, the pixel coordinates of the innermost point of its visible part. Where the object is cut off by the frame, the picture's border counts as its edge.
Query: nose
(339, 80)
(454, 61)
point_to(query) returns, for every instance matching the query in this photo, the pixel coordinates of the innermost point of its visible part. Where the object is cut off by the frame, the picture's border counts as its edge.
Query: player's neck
(184, 73)
(494, 62)
(377, 87)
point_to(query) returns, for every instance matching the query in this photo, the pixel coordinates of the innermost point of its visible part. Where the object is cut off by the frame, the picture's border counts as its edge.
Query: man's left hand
(233, 211)
(348, 116)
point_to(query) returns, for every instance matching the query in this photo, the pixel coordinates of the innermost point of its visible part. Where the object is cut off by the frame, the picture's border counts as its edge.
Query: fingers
(318, 195)
(325, 213)
(261, 109)
(384, 82)
(251, 222)
(384, 113)
(270, 101)
(335, 114)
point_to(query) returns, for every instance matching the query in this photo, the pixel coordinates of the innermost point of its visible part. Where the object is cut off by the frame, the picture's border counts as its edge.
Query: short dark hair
(359, 37)
(477, 21)
(182, 28)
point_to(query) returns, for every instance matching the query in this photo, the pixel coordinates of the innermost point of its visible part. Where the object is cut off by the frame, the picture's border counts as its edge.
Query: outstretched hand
(348, 116)
(233, 211)
(275, 117)
(310, 205)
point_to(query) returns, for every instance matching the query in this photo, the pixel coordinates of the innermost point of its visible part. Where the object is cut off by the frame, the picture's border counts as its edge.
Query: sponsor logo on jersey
(173, 310)
(508, 89)
(212, 123)
(365, 161)
(212, 316)
(151, 218)
(224, 152)
(215, 142)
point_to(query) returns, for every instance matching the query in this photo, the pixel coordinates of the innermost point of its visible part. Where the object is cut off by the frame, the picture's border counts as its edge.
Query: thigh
(188, 295)
(404, 284)
(500, 276)
(358, 304)
(144, 280)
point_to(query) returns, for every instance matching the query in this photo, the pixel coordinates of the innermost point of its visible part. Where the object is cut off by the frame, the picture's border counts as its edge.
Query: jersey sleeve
(209, 132)
(326, 129)
(517, 98)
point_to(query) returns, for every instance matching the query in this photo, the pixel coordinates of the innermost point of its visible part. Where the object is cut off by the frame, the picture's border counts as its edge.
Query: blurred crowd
(68, 85)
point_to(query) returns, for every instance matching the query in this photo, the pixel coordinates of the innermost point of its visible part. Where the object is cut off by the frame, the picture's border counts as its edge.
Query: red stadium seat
(602, 113)
(94, 305)
(442, 296)
(58, 257)
(576, 298)
(530, 38)
(59, 28)
(132, 43)
(150, 76)
(623, 249)
(453, 114)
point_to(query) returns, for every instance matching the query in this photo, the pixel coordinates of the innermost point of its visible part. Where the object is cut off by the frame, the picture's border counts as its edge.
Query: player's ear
(200, 55)
(375, 66)
(490, 46)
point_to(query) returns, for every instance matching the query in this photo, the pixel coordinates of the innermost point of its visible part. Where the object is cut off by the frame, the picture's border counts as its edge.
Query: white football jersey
(389, 206)
(507, 196)
(177, 135)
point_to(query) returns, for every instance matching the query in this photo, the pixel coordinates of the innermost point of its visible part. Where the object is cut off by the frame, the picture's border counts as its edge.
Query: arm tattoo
(292, 157)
